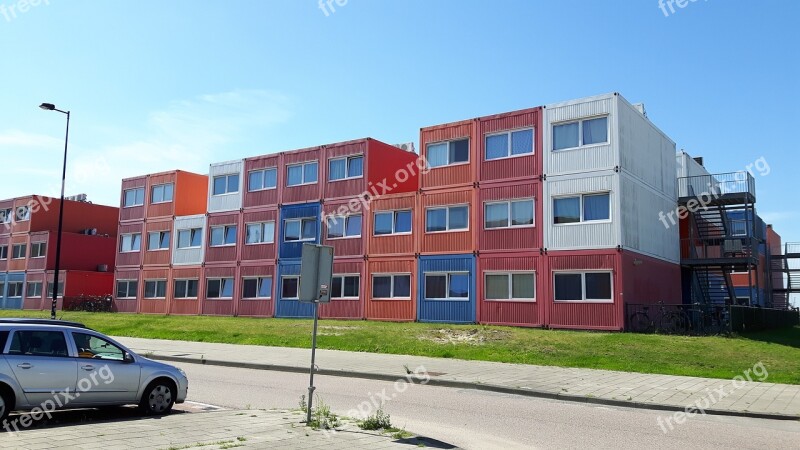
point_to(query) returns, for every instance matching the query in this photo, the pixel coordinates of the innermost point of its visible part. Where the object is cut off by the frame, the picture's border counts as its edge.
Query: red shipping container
(128, 305)
(269, 197)
(40, 302)
(262, 252)
(516, 238)
(398, 310)
(184, 306)
(343, 247)
(398, 243)
(448, 242)
(224, 254)
(154, 305)
(17, 264)
(346, 308)
(455, 175)
(220, 306)
(135, 258)
(260, 307)
(132, 213)
(521, 312)
(160, 257)
(303, 193)
(525, 166)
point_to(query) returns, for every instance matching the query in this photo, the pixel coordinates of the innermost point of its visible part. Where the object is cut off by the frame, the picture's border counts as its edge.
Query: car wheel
(4, 408)
(158, 398)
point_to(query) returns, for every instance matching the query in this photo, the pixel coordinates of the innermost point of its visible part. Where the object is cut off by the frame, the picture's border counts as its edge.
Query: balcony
(734, 188)
(734, 253)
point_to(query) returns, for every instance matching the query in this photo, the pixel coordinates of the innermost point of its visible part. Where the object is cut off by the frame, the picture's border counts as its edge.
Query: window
(262, 179)
(509, 144)
(345, 286)
(23, 214)
(6, 216)
(162, 193)
(344, 168)
(18, 251)
(290, 288)
(127, 288)
(514, 213)
(260, 287)
(91, 346)
(158, 240)
(3, 252)
(155, 289)
(50, 289)
(186, 288)
(448, 218)
(305, 173)
(14, 289)
(130, 242)
(582, 286)
(391, 286)
(226, 184)
(448, 153)
(34, 289)
(581, 208)
(392, 222)
(344, 227)
(300, 230)
(219, 288)
(39, 343)
(580, 133)
(260, 233)
(511, 286)
(447, 286)
(133, 197)
(222, 236)
(38, 249)
(190, 238)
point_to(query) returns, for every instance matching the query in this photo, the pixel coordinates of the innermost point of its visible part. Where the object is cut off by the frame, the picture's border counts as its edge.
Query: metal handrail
(717, 184)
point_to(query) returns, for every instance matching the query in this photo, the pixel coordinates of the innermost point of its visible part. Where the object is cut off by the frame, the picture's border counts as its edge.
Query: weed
(379, 421)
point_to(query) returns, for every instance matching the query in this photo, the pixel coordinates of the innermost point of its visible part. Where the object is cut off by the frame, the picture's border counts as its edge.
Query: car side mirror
(127, 358)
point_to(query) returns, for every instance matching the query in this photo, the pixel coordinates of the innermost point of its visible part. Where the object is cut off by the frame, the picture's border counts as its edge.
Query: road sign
(316, 273)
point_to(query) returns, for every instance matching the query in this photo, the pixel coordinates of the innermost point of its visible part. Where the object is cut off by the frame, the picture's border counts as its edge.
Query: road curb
(477, 386)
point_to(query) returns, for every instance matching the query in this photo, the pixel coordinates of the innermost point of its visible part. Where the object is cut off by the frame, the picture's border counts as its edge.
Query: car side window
(90, 346)
(38, 343)
(3, 340)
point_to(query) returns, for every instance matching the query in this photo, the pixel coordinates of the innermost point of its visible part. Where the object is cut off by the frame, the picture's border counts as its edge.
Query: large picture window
(582, 286)
(447, 218)
(582, 208)
(508, 144)
(226, 184)
(300, 230)
(510, 286)
(298, 174)
(580, 133)
(345, 168)
(512, 213)
(448, 153)
(392, 222)
(344, 227)
(447, 286)
(262, 179)
(391, 286)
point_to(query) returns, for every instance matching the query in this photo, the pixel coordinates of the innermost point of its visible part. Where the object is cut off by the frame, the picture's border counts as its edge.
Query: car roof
(24, 321)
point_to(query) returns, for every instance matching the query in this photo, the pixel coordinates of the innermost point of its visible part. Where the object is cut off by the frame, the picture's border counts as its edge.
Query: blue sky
(159, 85)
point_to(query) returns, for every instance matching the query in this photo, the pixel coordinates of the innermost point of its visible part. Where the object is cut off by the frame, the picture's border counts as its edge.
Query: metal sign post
(316, 273)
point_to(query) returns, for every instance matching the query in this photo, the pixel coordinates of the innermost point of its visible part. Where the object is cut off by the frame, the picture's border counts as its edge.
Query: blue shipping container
(294, 249)
(291, 308)
(7, 279)
(452, 289)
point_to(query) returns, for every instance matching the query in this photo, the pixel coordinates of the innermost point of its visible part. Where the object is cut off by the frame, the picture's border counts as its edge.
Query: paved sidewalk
(714, 396)
(211, 430)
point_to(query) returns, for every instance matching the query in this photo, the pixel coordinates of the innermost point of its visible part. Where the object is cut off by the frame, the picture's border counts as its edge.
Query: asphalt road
(481, 420)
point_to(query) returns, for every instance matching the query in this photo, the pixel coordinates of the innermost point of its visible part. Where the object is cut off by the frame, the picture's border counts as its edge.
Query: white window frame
(122, 241)
(163, 188)
(155, 280)
(447, 286)
(508, 211)
(3, 252)
(185, 288)
(263, 177)
(161, 234)
(345, 219)
(343, 276)
(303, 165)
(263, 234)
(394, 232)
(127, 288)
(583, 273)
(125, 196)
(447, 208)
(28, 289)
(508, 144)
(226, 176)
(294, 277)
(7, 215)
(347, 175)
(42, 246)
(509, 275)
(60, 287)
(580, 197)
(392, 276)
(14, 248)
(580, 133)
(301, 219)
(19, 287)
(192, 232)
(26, 215)
(225, 229)
(221, 286)
(449, 163)
(259, 281)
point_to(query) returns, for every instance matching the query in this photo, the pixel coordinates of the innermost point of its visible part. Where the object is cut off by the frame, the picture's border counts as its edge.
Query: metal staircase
(788, 266)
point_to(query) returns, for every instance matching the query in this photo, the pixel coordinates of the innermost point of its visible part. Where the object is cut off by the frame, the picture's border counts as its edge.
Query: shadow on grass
(789, 337)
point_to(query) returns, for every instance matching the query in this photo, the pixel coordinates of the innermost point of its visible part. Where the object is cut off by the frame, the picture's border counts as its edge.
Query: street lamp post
(52, 107)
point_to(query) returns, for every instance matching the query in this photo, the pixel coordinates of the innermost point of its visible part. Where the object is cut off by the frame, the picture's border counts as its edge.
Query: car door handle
(88, 367)
(25, 365)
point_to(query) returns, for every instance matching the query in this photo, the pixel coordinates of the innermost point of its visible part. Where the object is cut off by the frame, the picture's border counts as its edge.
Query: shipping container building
(347, 290)
(222, 290)
(391, 288)
(512, 289)
(258, 291)
(447, 221)
(509, 215)
(287, 304)
(509, 146)
(225, 186)
(300, 224)
(264, 180)
(447, 289)
(393, 227)
(451, 153)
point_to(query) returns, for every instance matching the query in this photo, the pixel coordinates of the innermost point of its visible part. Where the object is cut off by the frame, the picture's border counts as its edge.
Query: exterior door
(103, 375)
(42, 365)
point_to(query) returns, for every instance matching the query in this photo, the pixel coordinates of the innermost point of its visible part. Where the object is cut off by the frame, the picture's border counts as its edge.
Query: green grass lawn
(714, 357)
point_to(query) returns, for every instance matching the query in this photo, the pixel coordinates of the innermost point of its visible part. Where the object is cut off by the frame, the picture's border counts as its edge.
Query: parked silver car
(47, 365)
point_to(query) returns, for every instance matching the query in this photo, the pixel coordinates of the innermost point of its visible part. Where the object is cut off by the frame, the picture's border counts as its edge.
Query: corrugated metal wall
(39, 263)
(646, 153)
(260, 307)
(227, 202)
(308, 192)
(159, 210)
(514, 168)
(221, 307)
(349, 246)
(294, 250)
(453, 175)
(648, 280)
(134, 212)
(290, 308)
(157, 257)
(510, 239)
(188, 256)
(228, 253)
(186, 306)
(346, 309)
(269, 197)
(35, 303)
(260, 252)
(449, 311)
(7, 302)
(643, 230)
(397, 244)
(347, 187)
(128, 305)
(393, 310)
(154, 306)
(451, 241)
(514, 313)
(130, 258)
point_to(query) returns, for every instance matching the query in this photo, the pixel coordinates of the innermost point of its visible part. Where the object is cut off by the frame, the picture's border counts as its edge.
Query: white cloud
(186, 135)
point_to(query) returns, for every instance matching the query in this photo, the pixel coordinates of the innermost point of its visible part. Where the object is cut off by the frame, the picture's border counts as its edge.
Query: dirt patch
(334, 330)
(473, 336)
